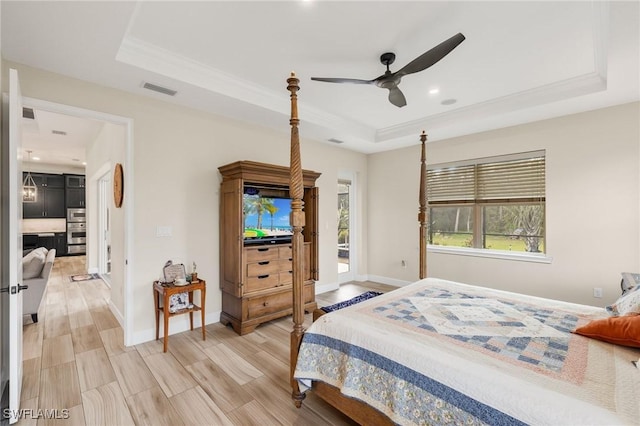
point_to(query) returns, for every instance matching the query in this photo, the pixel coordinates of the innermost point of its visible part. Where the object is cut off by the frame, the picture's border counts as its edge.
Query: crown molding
(553, 92)
(139, 53)
(150, 57)
(590, 82)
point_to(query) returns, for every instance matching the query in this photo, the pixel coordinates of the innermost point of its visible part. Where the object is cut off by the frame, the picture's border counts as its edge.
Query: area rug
(84, 277)
(360, 298)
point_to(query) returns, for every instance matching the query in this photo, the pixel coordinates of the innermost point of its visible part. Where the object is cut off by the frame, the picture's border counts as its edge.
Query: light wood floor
(74, 359)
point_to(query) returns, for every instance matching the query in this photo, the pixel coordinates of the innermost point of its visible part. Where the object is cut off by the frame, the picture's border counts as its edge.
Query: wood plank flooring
(75, 360)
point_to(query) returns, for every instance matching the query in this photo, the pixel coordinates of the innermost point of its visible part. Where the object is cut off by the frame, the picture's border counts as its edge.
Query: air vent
(334, 140)
(59, 132)
(28, 113)
(159, 89)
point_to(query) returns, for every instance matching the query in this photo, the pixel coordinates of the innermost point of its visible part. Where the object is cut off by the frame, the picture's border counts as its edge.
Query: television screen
(266, 218)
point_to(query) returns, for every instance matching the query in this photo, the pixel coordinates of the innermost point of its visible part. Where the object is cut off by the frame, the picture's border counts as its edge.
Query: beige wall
(592, 168)
(177, 152)
(102, 155)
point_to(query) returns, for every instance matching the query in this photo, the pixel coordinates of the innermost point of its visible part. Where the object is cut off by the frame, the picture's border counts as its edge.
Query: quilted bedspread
(438, 352)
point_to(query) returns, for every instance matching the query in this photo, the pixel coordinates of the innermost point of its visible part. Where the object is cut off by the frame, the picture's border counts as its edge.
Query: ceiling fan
(390, 80)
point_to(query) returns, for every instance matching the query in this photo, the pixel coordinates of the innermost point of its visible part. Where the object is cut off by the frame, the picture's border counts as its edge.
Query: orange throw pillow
(623, 331)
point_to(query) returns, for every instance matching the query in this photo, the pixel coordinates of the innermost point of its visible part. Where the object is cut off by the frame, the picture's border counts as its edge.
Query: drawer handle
(266, 262)
(261, 277)
(291, 272)
(264, 249)
(291, 259)
(265, 304)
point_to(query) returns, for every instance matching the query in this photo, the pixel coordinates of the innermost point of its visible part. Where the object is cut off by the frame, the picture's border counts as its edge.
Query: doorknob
(14, 289)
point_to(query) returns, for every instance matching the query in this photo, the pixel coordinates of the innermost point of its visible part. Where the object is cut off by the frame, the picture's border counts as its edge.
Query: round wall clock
(118, 185)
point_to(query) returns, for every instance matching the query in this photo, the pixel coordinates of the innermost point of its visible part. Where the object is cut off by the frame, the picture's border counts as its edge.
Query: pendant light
(29, 188)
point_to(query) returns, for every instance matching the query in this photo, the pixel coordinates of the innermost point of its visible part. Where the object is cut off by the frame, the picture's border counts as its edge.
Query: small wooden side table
(165, 291)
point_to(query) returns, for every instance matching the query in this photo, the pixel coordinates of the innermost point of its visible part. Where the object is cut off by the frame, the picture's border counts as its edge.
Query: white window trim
(493, 254)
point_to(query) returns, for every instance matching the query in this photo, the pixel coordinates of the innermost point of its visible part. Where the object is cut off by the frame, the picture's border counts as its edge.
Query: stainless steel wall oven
(76, 231)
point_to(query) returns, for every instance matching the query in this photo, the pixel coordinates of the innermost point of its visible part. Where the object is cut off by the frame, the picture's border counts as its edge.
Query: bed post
(296, 192)
(422, 212)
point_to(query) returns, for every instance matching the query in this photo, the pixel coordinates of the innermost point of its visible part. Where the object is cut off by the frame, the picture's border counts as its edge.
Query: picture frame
(174, 272)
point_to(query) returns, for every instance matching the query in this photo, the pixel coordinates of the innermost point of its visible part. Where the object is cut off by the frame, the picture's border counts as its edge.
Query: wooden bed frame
(355, 409)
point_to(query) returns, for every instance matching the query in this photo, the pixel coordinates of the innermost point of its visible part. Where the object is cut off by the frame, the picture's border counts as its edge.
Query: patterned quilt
(438, 352)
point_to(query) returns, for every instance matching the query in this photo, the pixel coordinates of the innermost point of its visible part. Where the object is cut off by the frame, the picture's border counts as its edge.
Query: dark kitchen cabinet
(50, 202)
(75, 191)
(49, 241)
(60, 243)
(75, 181)
(47, 180)
(75, 198)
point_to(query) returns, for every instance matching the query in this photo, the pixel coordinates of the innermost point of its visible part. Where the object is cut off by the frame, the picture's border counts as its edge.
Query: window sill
(493, 254)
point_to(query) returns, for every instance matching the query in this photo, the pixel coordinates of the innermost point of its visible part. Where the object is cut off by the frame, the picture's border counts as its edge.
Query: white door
(12, 229)
(104, 225)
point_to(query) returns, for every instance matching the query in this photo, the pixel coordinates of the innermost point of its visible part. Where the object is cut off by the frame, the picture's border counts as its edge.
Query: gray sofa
(36, 269)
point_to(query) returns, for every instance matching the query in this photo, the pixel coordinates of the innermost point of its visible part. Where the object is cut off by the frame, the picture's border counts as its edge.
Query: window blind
(520, 179)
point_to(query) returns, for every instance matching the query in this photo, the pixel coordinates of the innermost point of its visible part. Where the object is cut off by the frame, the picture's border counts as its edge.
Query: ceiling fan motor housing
(387, 58)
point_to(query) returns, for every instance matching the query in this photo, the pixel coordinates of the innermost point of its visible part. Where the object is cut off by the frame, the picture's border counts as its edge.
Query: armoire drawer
(259, 254)
(260, 306)
(286, 277)
(262, 282)
(265, 267)
(285, 252)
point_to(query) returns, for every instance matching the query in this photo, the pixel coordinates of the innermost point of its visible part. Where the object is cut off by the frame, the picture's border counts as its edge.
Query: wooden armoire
(256, 278)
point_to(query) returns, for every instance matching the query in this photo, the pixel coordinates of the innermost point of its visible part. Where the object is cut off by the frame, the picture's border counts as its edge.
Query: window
(493, 203)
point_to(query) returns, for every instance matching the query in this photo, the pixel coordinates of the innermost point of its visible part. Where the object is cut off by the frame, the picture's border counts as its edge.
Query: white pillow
(628, 303)
(33, 263)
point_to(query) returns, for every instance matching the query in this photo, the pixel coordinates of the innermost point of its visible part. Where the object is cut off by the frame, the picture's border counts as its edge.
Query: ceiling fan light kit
(390, 80)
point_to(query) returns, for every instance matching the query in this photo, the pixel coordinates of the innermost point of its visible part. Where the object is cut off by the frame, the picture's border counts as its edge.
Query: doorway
(345, 229)
(117, 148)
(104, 228)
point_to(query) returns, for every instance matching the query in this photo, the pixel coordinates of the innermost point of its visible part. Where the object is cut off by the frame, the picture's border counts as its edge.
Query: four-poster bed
(441, 352)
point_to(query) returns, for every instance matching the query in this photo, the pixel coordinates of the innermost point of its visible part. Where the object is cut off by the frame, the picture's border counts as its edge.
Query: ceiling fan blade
(396, 97)
(342, 80)
(432, 56)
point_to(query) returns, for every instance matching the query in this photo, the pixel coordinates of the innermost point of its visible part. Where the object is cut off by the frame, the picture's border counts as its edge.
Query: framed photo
(174, 272)
(178, 302)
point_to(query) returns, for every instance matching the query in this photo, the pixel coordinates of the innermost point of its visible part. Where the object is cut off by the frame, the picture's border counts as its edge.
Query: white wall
(102, 154)
(592, 168)
(177, 152)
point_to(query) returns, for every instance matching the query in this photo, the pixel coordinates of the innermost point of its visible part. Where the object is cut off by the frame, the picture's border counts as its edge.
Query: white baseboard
(178, 324)
(116, 313)
(362, 278)
(326, 287)
(92, 270)
(389, 281)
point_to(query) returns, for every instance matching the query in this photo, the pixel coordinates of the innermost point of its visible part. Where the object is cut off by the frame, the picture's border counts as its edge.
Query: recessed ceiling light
(449, 102)
(84, 163)
(36, 158)
(434, 91)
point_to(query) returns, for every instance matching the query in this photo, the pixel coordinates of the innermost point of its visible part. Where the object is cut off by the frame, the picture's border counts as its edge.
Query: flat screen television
(266, 214)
